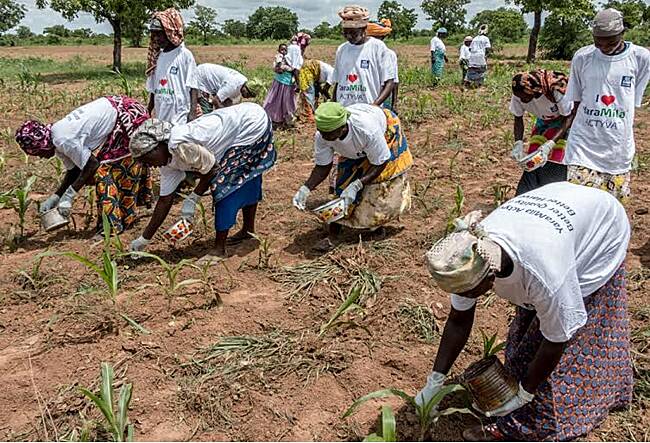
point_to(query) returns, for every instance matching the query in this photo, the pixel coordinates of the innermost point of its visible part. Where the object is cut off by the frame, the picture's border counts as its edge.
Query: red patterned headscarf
(171, 22)
(302, 39)
(540, 82)
(35, 138)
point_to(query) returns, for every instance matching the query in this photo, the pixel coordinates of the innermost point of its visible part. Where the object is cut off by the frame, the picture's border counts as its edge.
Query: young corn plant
(457, 210)
(349, 305)
(264, 253)
(490, 346)
(172, 270)
(500, 193)
(18, 200)
(386, 431)
(428, 413)
(117, 422)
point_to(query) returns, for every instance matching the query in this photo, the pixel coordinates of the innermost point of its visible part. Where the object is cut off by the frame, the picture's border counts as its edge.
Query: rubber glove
(517, 150)
(65, 203)
(138, 244)
(48, 204)
(189, 207)
(521, 399)
(435, 381)
(547, 148)
(300, 199)
(349, 194)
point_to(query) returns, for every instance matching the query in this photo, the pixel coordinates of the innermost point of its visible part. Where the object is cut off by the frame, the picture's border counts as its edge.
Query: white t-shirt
(542, 107)
(437, 43)
(326, 72)
(220, 81)
(566, 242)
(464, 52)
(608, 89)
(294, 56)
(365, 138)
(82, 131)
(361, 71)
(391, 57)
(171, 84)
(477, 51)
(218, 131)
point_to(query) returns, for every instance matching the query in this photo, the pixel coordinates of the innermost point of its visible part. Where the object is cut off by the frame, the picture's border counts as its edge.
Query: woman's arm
(151, 103)
(385, 92)
(204, 181)
(160, 212)
(372, 174)
(566, 123)
(76, 178)
(454, 338)
(395, 95)
(69, 178)
(318, 175)
(519, 128)
(546, 359)
(194, 100)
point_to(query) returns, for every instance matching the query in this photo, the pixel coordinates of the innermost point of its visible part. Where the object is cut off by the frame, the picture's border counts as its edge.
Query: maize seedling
(500, 193)
(428, 413)
(349, 305)
(18, 200)
(264, 253)
(117, 422)
(387, 426)
(490, 347)
(457, 210)
(171, 271)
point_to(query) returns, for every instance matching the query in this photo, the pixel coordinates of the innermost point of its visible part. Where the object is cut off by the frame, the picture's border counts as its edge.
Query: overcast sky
(310, 12)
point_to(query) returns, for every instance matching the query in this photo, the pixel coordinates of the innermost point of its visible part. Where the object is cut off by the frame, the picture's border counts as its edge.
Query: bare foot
(212, 258)
(238, 238)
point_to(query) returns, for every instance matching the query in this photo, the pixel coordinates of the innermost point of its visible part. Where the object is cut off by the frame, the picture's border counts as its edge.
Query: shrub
(563, 35)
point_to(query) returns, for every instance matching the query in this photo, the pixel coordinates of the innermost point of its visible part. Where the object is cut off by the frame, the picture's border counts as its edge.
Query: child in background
(281, 65)
(463, 58)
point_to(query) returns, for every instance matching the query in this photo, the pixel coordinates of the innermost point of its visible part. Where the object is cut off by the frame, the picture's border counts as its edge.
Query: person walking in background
(463, 58)
(170, 70)
(381, 30)
(542, 94)
(479, 52)
(314, 80)
(438, 55)
(607, 83)
(219, 86)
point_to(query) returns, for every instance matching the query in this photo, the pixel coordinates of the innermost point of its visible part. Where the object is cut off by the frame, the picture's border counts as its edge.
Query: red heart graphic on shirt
(608, 99)
(353, 77)
(163, 81)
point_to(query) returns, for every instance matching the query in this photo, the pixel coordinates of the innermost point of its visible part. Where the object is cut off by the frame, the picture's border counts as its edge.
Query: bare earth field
(286, 382)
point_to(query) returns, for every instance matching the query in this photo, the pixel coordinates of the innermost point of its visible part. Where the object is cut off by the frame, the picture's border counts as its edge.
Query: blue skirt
(226, 209)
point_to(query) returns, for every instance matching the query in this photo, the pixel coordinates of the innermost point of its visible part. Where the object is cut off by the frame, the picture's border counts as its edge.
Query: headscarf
(483, 29)
(171, 22)
(607, 23)
(354, 16)
(379, 29)
(460, 261)
(441, 31)
(330, 116)
(469, 38)
(35, 138)
(302, 39)
(540, 82)
(148, 136)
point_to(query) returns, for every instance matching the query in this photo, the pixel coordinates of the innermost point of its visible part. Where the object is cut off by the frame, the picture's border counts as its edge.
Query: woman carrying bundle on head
(93, 144)
(371, 172)
(542, 94)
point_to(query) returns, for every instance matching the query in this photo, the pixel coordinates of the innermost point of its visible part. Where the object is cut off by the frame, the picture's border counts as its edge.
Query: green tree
(115, 12)
(633, 11)
(234, 28)
(446, 13)
(11, 13)
(506, 25)
(205, 22)
(538, 7)
(323, 30)
(564, 32)
(81, 33)
(23, 32)
(402, 19)
(272, 22)
(58, 30)
(134, 27)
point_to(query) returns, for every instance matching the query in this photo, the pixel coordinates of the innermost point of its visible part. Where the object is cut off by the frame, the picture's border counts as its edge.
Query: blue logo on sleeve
(626, 81)
(173, 70)
(365, 64)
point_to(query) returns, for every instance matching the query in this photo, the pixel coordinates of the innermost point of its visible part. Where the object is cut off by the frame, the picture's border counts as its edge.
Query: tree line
(566, 24)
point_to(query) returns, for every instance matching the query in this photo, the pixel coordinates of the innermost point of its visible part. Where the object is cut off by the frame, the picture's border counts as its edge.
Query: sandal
(488, 432)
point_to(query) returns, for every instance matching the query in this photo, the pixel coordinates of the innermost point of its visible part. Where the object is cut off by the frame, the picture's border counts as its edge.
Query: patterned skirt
(593, 376)
(616, 184)
(120, 187)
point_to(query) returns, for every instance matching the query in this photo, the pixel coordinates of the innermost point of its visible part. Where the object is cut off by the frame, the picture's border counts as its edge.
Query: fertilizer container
(52, 220)
(489, 383)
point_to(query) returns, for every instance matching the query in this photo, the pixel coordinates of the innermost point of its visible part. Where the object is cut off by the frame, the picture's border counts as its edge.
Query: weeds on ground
(419, 321)
(116, 421)
(299, 280)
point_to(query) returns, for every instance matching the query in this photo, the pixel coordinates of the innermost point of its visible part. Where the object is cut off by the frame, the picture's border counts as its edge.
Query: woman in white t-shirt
(380, 30)
(463, 57)
(438, 55)
(371, 172)
(228, 149)
(542, 94)
(558, 254)
(479, 50)
(607, 82)
(219, 86)
(92, 142)
(171, 79)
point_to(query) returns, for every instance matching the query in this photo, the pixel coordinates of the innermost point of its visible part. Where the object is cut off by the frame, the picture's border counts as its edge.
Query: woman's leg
(107, 194)
(248, 227)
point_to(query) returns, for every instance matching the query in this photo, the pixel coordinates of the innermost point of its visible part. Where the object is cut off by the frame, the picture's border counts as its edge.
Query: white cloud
(310, 12)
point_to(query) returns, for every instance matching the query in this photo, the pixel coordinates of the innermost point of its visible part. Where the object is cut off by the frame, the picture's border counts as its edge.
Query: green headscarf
(330, 116)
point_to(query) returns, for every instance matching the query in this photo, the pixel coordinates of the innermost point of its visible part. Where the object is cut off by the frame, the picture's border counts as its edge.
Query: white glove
(521, 399)
(189, 207)
(65, 203)
(435, 381)
(547, 148)
(138, 244)
(349, 194)
(48, 204)
(517, 150)
(300, 199)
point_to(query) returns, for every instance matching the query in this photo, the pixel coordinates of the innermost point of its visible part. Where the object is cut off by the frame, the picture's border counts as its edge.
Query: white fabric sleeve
(190, 71)
(67, 163)
(575, 87)
(488, 44)
(564, 105)
(75, 151)
(516, 108)
(376, 149)
(642, 77)
(193, 157)
(170, 178)
(323, 154)
(387, 70)
(150, 84)
(433, 44)
(229, 90)
(561, 314)
(337, 68)
(461, 303)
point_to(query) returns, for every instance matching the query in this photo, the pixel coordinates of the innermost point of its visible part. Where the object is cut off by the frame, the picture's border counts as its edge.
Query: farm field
(248, 349)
